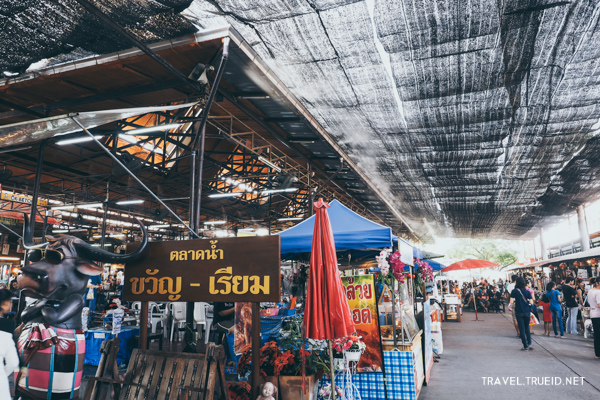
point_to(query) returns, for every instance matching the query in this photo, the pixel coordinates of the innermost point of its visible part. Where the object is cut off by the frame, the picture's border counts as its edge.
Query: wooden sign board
(222, 270)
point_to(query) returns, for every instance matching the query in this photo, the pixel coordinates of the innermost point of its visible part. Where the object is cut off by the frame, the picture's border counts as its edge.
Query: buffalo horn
(90, 252)
(27, 239)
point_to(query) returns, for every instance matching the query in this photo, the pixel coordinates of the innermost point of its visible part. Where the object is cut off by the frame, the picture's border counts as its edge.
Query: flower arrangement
(268, 356)
(351, 342)
(238, 390)
(390, 267)
(325, 391)
(425, 271)
(287, 357)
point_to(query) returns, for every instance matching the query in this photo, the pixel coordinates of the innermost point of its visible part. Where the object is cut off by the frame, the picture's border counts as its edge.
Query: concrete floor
(490, 349)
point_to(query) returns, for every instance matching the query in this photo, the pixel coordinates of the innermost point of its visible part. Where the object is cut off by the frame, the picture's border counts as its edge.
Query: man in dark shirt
(495, 299)
(570, 294)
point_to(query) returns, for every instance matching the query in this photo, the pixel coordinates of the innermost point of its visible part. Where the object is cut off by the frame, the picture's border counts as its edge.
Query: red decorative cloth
(56, 359)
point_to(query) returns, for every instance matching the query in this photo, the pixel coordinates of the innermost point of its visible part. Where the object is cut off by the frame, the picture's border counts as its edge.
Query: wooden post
(144, 326)
(255, 350)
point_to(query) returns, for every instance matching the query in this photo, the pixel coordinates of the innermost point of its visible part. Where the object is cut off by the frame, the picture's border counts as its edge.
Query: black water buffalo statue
(51, 341)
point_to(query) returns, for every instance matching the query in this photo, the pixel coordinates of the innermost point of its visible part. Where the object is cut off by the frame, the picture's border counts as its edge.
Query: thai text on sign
(232, 269)
(360, 293)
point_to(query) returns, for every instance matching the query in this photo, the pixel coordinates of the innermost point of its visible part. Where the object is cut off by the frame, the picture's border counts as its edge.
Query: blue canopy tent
(350, 232)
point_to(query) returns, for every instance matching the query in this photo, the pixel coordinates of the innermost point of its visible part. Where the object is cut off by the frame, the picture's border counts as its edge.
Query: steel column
(36, 186)
(584, 236)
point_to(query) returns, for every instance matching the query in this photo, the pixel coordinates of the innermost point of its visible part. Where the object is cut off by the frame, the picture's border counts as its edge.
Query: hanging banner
(243, 327)
(360, 292)
(223, 270)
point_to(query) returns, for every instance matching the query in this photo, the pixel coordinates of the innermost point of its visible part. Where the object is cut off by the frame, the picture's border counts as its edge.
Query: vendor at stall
(224, 317)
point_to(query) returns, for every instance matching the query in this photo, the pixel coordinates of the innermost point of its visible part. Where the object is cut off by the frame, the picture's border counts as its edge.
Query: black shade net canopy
(476, 119)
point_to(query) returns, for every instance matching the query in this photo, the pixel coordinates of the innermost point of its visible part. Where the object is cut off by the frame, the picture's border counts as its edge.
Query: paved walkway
(480, 358)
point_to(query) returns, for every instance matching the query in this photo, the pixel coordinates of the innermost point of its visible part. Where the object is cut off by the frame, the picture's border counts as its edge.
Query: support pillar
(584, 237)
(543, 245)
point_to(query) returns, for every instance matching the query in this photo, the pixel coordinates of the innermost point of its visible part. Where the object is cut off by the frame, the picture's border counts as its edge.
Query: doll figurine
(268, 391)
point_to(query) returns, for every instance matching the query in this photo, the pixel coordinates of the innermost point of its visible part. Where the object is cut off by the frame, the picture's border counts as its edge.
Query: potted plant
(351, 347)
(238, 390)
(295, 361)
(268, 354)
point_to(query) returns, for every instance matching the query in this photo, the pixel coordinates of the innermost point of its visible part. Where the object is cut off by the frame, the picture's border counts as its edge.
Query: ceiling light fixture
(269, 163)
(78, 140)
(218, 195)
(10, 258)
(126, 202)
(68, 230)
(159, 226)
(145, 146)
(70, 206)
(279, 190)
(214, 222)
(15, 149)
(290, 219)
(148, 129)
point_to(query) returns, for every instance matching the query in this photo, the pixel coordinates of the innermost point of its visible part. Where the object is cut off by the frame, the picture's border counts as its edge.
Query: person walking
(509, 291)
(545, 303)
(555, 308)
(571, 304)
(594, 301)
(521, 300)
(9, 362)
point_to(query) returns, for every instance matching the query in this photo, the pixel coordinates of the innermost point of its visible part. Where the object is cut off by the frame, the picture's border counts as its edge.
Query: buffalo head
(64, 266)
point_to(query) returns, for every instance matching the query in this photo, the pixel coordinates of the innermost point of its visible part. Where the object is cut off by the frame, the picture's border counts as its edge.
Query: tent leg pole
(332, 369)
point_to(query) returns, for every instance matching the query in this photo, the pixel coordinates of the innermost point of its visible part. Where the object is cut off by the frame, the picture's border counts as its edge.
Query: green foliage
(498, 251)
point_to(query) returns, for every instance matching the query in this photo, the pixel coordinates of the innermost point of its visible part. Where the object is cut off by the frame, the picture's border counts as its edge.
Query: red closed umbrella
(469, 264)
(327, 314)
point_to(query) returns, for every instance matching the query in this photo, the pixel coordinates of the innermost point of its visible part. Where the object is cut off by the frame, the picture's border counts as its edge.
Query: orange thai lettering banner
(223, 270)
(360, 292)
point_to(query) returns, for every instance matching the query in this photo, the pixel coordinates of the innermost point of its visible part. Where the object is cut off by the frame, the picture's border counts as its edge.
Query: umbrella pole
(475, 305)
(332, 368)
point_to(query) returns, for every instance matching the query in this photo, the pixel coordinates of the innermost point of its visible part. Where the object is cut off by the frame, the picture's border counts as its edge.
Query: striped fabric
(56, 367)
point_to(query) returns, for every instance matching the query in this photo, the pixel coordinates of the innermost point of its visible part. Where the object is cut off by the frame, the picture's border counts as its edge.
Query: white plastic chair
(200, 316)
(157, 316)
(136, 309)
(178, 311)
(208, 312)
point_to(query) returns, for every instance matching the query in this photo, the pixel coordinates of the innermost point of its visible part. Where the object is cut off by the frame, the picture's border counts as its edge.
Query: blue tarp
(350, 232)
(436, 266)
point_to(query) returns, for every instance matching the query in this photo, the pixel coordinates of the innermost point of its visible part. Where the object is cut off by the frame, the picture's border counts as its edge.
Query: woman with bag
(533, 306)
(555, 308)
(521, 299)
(594, 300)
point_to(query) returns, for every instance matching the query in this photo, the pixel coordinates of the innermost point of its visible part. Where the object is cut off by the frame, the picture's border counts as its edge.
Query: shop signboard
(220, 270)
(360, 292)
(22, 198)
(406, 252)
